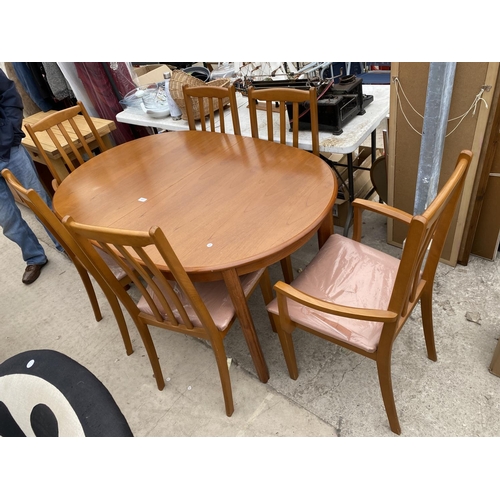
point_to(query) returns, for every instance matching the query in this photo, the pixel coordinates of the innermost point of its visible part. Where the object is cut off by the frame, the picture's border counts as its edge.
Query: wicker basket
(180, 78)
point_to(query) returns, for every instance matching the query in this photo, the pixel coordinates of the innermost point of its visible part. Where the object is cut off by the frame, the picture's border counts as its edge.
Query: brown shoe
(32, 272)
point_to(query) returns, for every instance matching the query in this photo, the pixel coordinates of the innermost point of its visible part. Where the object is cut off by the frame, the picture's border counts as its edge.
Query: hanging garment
(38, 73)
(68, 69)
(30, 85)
(104, 85)
(120, 74)
(59, 86)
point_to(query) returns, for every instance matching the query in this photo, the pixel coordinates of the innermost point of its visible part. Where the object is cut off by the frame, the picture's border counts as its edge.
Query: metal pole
(437, 107)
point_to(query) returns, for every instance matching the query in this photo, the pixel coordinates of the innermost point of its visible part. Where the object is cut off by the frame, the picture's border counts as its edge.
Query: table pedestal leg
(107, 141)
(325, 230)
(350, 176)
(235, 290)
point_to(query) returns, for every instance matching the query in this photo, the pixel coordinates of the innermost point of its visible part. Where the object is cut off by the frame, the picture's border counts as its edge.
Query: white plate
(159, 113)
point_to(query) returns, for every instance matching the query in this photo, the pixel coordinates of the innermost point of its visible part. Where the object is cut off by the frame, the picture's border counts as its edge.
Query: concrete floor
(337, 392)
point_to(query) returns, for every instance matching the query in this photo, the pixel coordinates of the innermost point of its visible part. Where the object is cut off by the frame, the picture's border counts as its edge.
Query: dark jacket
(11, 117)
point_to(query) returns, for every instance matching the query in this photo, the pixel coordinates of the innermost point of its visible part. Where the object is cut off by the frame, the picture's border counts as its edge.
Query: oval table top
(223, 201)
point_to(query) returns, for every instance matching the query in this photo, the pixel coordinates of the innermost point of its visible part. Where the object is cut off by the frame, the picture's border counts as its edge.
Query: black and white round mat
(45, 393)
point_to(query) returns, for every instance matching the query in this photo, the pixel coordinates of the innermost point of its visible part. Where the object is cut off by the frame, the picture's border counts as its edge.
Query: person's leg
(22, 166)
(16, 228)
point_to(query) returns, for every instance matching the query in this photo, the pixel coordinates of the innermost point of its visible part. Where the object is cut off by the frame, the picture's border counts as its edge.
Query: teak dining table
(228, 204)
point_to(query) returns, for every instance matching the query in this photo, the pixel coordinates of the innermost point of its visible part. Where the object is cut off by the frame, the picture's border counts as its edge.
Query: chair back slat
(129, 249)
(83, 143)
(62, 125)
(212, 98)
(295, 124)
(154, 279)
(426, 238)
(151, 290)
(221, 115)
(159, 278)
(277, 99)
(201, 105)
(139, 274)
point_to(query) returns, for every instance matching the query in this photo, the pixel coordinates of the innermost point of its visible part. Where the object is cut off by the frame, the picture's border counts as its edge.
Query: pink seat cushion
(347, 273)
(215, 296)
(118, 272)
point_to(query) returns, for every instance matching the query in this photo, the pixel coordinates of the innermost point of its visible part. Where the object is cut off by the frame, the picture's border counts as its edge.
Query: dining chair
(360, 298)
(215, 97)
(170, 300)
(60, 129)
(49, 219)
(276, 101)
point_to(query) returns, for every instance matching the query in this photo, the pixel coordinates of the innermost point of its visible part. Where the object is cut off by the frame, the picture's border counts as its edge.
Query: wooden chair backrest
(128, 249)
(282, 96)
(82, 264)
(63, 131)
(425, 241)
(208, 95)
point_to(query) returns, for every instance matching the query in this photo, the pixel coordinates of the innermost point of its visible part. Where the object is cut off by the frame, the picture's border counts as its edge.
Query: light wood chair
(359, 297)
(206, 94)
(171, 300)
(60, 128)
(277, 99)
(47, 217)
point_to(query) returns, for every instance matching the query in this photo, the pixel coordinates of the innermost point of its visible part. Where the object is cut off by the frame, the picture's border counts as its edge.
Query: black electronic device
(338, 103)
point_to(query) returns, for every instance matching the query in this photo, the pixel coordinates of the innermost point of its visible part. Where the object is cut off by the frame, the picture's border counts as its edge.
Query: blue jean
(11, 221)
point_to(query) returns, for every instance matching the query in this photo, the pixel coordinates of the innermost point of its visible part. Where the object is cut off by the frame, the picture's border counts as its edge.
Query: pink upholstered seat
(213, 294)
(349, 273)
(115, 268)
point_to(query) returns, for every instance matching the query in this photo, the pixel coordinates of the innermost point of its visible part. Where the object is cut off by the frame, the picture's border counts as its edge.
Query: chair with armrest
(277, 99)
(359, 297)
(169, 300)
(49, 219)
(61, 129)
(206, 94)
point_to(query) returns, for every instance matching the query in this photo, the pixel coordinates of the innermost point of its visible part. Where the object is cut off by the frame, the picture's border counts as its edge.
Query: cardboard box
(487, 237)
(151, 73)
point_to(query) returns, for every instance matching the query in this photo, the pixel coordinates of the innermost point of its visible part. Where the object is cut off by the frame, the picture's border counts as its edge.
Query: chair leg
(267, 294)
(288, 349)
(286, 267)
(384, 376)
(221, 359)
(151, 351)
(90, 291)
(427, 323)
(120, 320)
(118, 313)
